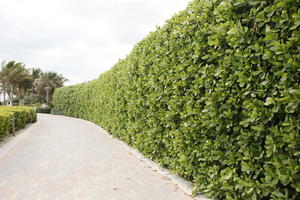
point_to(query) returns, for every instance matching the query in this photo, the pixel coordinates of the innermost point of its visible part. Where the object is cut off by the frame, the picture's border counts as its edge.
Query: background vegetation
(213, 95)
(27, 86)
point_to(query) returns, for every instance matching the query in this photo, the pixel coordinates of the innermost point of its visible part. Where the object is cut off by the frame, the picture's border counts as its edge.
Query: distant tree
(24, 83)
(15, 78)
(3, 85)
(35, 74)
(47, 83)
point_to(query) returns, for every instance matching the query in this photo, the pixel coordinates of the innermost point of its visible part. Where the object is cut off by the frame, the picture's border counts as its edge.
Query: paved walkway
(65, 158)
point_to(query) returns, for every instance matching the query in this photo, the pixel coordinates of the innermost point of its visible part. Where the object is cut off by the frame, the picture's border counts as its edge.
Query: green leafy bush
(213, 95)
(46, 110)
(5, 123)
(31, 99)
(21, 114)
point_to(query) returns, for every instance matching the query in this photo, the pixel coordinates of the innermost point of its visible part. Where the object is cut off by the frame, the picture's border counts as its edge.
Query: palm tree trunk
(4, 96)
(47, 96)
(11, 94)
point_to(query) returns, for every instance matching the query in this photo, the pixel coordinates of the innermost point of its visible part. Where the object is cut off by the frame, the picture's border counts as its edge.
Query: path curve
(64, 158)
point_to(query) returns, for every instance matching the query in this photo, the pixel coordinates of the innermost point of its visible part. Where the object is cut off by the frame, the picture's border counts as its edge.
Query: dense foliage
(31, 99)
(213, 95)
(20, 114)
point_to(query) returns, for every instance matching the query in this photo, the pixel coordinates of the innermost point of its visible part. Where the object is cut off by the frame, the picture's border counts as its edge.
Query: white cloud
(77, 38)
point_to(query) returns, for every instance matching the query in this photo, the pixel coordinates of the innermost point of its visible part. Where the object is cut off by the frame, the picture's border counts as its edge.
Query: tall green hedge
(213, 95)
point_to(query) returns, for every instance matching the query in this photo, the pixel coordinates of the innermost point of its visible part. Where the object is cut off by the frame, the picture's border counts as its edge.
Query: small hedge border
(43, 110)
(213, 95)
(21, 114)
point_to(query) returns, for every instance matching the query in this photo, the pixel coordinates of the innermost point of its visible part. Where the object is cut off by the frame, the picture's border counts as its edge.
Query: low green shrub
(46, 110)
(5, 123)
(213, 95)
(20, 114)
(31, 99)
(56, 112)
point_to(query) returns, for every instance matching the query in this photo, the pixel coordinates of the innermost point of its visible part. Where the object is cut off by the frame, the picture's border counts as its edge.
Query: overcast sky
(78, 38)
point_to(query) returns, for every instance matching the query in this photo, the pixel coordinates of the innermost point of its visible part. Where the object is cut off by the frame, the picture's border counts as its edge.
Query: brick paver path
(67, 158)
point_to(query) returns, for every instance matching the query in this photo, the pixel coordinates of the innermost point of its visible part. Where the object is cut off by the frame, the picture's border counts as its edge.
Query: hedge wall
(213, 95)
(22, 115)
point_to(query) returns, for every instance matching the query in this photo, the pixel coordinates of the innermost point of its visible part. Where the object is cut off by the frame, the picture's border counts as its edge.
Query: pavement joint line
(14, 141)
(181, 183)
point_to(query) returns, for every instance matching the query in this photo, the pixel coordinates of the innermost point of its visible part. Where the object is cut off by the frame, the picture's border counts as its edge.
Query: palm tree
(3, 85)
(47, 83)
(24, 83)
(35, 74)
(12, 75)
